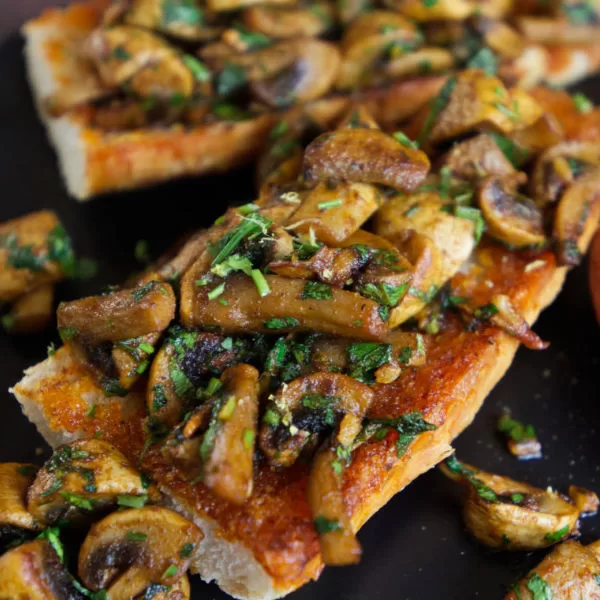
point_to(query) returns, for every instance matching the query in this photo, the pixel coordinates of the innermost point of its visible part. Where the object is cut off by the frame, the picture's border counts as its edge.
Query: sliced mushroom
(178, 591)
(183, 19)
(35, 572)
(511, 515)
(521, 439)
(417, 62)
(283, 309)
(127, 550)
(120, 315)
(369, 42)
(559, 166)
(26, 257)
(80, 478)
(349, 10)
(446, 10)
(478, 101)
(334, 211)
(31, 312)
(586, 501)
(367, 156)
(151, 67)
(576, 218)
(228, 5)
(282, 22)
(569, 571)
(216, 443)
(304, 408)
(510, 217)
(544, 133)
(478, 157)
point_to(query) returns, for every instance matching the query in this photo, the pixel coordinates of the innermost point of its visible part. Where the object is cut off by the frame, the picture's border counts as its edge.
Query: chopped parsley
(582, 103)
(159, 398)
(483, 491)
(230, 79)
(557, 536)
(130, 501)
(366, 357)
(323, 206)
(515, 430)
(52, 534)
(408, 426)
(199, 70)
(169, 572)
(472, 214)
(67, 333)
(278, 130)
(229, 112)
(514, 153)
(253, 225)
(539, 588)
(485, 60)
(27, 471)
(112, 387)
(405, 140)
(142, 290)
(78, 500)
(136, 536)
(436, 107)
(324, 525)
(253, 40)
(485, 312)
(281, 323)
(316, 291)
(181, 11)
(582, 13)
(146, 480)
(187, 550)
(248, 438)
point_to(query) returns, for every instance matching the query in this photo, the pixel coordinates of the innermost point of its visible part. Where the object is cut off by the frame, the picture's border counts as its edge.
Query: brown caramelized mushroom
(150, 66)
(511, 515)
(568, 572)
(446, 10)
(33, 571)
(31, 312)
(180, 19)
(478, 101)
(586, 501)
(287, 22)
(25, 258)
(576, 217)
(300, 411)
(120, 315)
(510, 217)
(228, 5)
(365, 155)
(178, 591)
(334, 211)
(371, 40)
(127, 550)
(80, 478)
(283, 309)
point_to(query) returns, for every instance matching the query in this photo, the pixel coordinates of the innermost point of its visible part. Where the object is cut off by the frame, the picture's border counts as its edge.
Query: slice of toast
(268, 547)
(93, 161)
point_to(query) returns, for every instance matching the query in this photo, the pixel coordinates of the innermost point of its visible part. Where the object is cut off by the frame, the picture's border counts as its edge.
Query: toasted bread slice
(94, 161)
(268, 547)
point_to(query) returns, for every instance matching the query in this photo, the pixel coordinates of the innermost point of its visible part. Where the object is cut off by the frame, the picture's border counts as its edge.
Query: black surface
(416, 547)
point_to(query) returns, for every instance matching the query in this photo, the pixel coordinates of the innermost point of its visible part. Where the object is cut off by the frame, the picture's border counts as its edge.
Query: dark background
(415, 548)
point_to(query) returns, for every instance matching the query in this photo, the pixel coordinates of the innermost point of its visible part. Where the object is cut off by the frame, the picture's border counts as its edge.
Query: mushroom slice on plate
(229, 5)
(126, 551)
(576, 217)
(33, 571)
(570, 571)
(510, 217)
(586, 501)
(511, 515)
(444, 10)
(31, 312)
(178, 591)
(287, 22)
(183, 19)
(16, 522)
(366, 156)
(80, 478)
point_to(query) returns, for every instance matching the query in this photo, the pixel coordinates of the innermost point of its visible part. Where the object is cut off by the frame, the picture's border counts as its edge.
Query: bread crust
(272, 537)
(94, 162)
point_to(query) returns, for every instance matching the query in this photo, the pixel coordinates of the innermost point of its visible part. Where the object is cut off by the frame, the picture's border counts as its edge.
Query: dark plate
(416, 547)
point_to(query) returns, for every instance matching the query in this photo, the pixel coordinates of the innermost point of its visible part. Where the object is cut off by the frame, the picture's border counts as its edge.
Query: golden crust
(275, 524)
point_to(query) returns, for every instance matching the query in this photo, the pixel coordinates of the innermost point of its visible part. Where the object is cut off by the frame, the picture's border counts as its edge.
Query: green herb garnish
(316, 291)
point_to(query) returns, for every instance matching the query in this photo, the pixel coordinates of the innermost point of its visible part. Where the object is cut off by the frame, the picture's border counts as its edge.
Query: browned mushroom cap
(31, 312)
(557, 31)
(495, 9)
(285, 309)
(510, 217)
(302, 409)
(370, 40)
(227, 449)
(310, 76)
(559, 166)
(151, 67)
(178, 18)
(476, 101)
(446, 10)
(525, 143)
(15, 479)
(568, 571)
(334, 211)
(576, 217)
(367, 156)
(82, 477)
(478, 157)
(586, 501)
(178, 591)
(25, 260)
(412, 63)
(227, 5)
(118, 315)
(128, 550)
(34, 571)
(286, 22)
(504, 513)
